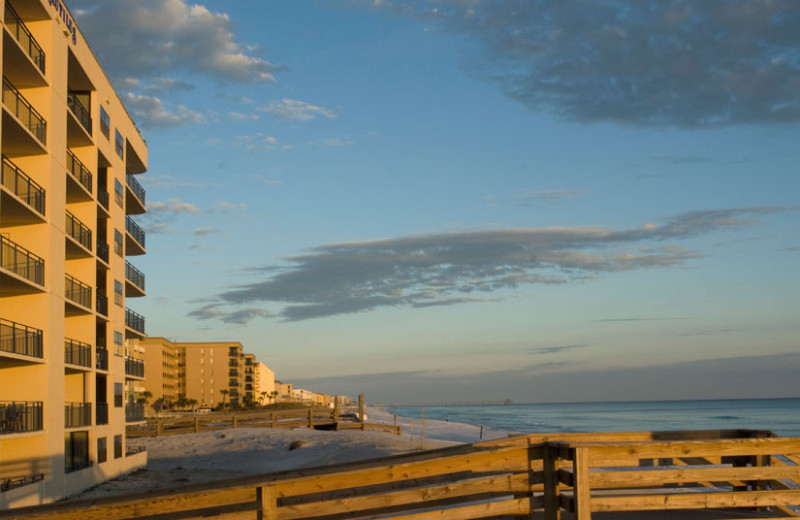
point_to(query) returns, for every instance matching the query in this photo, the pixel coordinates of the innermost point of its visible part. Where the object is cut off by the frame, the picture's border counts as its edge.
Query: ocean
(781, 416)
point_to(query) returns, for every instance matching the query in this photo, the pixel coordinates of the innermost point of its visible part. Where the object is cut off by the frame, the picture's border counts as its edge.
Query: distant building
(264, 383)
(70, 158)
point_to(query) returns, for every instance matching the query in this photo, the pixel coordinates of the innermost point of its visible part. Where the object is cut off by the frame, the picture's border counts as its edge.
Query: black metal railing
(77, 353)
(233, 382)
(134, 412)
(135, 231)
(23, 35)
(102, 197)
(24, 111)
(79, 231)
(133, 450)
(21, 416)
(101, 413)
(134, 185)
(75, 466)
(77, 291)
(20, 261)
(133, 275)
(102, 304)
(21, 185)
(20, 339)
(232, 372)
(102, 250)
(134, 367)
(79, 110)
(79, 171)
(101, 359)
(77, 415)
(8, 483)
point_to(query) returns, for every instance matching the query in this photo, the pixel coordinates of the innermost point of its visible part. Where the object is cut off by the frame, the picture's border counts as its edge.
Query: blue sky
(456, 200)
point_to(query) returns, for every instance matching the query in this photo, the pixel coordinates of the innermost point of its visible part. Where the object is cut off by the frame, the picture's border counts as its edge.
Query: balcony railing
(78, 465)
(22, 109)
(102, 304)
(15, 482)
(102, 197)
(101, 359)
(81, 112)
(134, 185)
(135, 231)
(102, 250)
(101, 414)
(77, 415)
(79, 171)
(134, 321)
(233, 382)
(77, 291)
(134, 412)
(21, 416)
(135, 276)
(20, 261)
(23, 35)
(133, 450)
(233, 372)
(134, 367)
(79, 231)
(22, 186)
(20, 339)
(77, 353)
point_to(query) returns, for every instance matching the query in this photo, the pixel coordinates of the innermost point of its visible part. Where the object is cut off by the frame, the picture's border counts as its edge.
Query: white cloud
(150, 112)
(206, 231)
(258, 142)
(238, 116)
(294, 110)
(173, 205)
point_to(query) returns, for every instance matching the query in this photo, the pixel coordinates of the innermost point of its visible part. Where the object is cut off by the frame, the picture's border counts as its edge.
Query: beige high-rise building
(68, 242)
(264, 383)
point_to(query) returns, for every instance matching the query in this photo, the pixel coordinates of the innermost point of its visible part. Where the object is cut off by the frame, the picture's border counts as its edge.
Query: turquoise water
(781, 416)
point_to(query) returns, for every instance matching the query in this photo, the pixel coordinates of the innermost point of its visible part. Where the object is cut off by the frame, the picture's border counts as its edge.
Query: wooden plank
(694, 500)
(513, 507)
(552, 508)
(582, 491)
(267, 503)
(644, 478)
(417, 497)
(601, 453)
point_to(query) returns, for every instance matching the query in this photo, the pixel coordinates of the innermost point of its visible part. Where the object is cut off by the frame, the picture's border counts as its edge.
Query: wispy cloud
(151, 112)
(532, 197)
(454, 267)
(636, 62)
(554, 350)
(206, 231)
(295, 110)
(173, 205)
(238, 316)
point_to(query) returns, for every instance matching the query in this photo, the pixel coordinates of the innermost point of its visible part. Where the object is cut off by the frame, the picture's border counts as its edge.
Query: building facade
(68, 242)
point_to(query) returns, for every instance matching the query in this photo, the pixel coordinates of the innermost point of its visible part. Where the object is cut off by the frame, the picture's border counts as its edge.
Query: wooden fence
(535, 476)
(323, 418)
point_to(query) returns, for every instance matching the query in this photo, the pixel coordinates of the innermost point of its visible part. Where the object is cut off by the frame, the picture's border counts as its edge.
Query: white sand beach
(177, 460)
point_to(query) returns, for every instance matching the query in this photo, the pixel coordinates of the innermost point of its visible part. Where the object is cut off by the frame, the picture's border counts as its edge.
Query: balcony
(27, 116)
(101, 302)
(102, 251)
(77, 415)
(134, 321)
(134, 243)
(233, 372)
(21, 417)
(77, 353)
(233, 382)
(233, 363)
(24, 38)
(135, 281)
(21, 272)
(79, 238)
(101, 359)
(79, 110)
(134, 198)
(79, 179)
(77, 293)
(134, 367)
(22, 199)
(101, 413)
(102, 198)
(20, 339)
(134, 412)
(16, 482)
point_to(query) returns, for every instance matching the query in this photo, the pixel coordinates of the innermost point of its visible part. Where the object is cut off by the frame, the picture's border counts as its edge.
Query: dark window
(105, 123)
(233, 351)
(102, 446)
(117, 395)
(119, 144)
(76, 451)
(117, 446)
(118, 292)
(117, 242)
(119, 192)
(117, 338)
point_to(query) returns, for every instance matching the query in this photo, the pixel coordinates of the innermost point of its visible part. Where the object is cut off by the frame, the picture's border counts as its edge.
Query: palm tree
(273, 395)
(261, 399)
(182, 401)
(224, 394)
(191, 403)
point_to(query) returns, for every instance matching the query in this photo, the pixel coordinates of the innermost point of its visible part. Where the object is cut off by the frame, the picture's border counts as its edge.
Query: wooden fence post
(361, 407)
(310, 418)
(582, 491)
(158, 427)
(235, 421)
(267, 503)
(196, 424)
(552, 500)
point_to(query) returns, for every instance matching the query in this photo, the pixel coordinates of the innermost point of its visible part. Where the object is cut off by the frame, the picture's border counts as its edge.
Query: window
(119, 144)
(105, 127)
(119, 192)
(102, 446)
(118, 242)
(117, 338)
(118, 292)
(117, 395)
(117, 446)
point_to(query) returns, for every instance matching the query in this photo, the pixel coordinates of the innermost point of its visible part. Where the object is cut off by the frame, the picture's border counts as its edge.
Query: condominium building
(68, 191)
(209, 373)
(264, 383)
